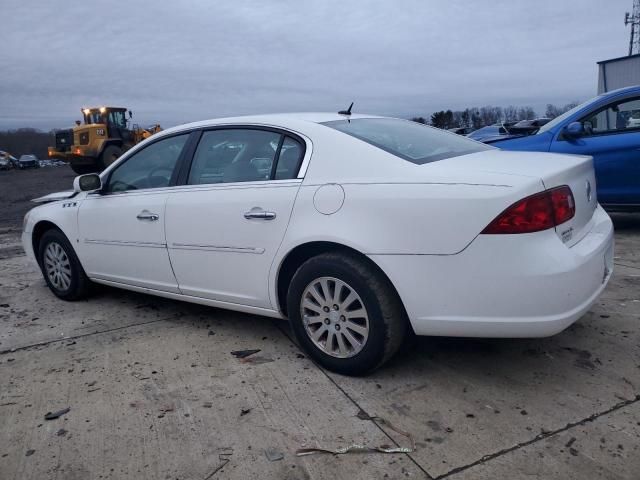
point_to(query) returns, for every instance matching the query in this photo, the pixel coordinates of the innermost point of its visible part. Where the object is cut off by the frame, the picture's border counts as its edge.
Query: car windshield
(408, 140)
(489, 129)
(561, 118)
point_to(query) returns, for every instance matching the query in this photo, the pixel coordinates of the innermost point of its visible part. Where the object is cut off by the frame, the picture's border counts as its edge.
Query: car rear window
(409, 140)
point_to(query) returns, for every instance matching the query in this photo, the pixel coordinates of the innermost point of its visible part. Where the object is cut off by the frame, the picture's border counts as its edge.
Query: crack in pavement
(360, 409)
(57, 340)
(12, 251)
(627, 266)
(452, 472)
(488, 457)
(539, 437)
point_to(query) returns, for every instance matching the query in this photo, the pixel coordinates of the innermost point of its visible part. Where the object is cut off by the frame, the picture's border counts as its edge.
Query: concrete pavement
(154, 392)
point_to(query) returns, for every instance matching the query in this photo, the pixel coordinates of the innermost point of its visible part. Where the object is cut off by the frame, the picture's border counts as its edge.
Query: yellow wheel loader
(93, 145)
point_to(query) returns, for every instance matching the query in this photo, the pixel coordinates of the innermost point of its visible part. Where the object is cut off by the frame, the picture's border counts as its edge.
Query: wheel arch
(110, 142)
(303, 252)
(39, 230)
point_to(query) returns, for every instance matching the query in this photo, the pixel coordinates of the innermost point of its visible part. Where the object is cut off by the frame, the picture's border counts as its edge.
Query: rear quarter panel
(391, 218)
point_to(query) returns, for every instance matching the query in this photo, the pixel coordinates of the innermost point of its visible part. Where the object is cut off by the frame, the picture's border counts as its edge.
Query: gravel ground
(18, 187)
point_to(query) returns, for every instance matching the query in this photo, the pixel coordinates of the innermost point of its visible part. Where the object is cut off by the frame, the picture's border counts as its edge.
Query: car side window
(290, 158)
(617, 117)
(232, 155)
(151, 167)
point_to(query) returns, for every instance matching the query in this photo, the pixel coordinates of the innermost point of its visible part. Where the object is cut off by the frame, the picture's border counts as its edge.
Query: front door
(612, 137)
(122, 228)
(224, 228)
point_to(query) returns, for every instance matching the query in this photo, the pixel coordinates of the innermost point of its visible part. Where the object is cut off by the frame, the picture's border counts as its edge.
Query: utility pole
(633, 19)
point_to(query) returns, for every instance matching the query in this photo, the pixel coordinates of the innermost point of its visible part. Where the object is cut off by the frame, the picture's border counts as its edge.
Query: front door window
(619, 117)
(151, 167)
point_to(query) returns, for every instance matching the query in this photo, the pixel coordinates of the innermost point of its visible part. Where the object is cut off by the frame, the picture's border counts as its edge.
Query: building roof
(618, 59)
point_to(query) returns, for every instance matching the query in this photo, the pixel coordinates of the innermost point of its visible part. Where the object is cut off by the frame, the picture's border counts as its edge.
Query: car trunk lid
(553, 170)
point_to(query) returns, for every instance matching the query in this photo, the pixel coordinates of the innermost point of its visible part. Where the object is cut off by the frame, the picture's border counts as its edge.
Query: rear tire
(61, 268)
(361, 307)
(109, 155)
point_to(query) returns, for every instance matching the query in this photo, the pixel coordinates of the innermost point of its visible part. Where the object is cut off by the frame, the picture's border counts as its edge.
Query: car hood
(497, 138)
(538, 142)
(54, 197)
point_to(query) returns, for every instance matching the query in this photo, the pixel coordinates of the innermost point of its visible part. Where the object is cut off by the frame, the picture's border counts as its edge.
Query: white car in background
(27, 161)
(634, 121)
(355, 228)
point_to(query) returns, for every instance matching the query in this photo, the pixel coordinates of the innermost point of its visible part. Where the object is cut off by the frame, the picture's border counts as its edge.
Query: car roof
(276, 119)
(631, 89)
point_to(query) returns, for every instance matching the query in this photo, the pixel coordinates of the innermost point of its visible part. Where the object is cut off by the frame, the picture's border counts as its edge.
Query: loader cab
(115, 120)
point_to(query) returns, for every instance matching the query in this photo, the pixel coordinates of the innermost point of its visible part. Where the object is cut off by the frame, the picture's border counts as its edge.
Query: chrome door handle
(147, 215)
(257, 212)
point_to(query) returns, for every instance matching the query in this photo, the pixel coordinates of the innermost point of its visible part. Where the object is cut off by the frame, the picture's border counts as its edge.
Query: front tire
(345, 313)
(61, 268)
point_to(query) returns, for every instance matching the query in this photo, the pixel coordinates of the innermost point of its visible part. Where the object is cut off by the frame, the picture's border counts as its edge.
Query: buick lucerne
(358, 229)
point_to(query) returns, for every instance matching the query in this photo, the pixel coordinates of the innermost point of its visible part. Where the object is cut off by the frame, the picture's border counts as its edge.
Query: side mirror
(574, 130)
(130, 114)
(87, 183)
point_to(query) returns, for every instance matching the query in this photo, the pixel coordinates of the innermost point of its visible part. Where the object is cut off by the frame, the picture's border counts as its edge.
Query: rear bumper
(505, 285)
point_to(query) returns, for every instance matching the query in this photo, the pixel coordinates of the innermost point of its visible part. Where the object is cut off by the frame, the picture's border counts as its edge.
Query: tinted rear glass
(409, 140)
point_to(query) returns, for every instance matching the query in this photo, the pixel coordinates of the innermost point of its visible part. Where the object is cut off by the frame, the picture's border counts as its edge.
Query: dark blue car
(606, 127)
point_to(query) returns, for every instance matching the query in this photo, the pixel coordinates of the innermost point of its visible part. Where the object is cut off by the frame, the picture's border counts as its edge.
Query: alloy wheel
(335, 317)
(57, 266)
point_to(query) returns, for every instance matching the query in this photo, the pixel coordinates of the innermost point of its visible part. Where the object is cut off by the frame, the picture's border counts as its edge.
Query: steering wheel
(119, 186)
(152, 172)
(588, 128)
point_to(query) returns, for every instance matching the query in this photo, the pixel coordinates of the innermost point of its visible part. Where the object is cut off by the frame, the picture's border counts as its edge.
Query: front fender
(62, 214)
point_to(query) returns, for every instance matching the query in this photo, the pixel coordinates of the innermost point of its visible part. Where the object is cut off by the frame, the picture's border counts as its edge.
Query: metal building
(618, 73)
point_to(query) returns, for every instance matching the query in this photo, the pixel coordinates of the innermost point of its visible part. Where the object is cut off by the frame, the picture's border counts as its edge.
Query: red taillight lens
(564, 207)
(535, 213)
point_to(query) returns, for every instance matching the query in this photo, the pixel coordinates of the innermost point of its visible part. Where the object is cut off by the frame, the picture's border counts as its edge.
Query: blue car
(607, 128)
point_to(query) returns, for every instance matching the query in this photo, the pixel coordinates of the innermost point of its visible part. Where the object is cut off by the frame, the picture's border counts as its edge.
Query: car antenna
(347, 111)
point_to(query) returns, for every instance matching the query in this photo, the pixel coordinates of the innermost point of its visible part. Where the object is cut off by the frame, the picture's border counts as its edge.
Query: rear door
(612, 138)
(122, 228)
(225, 226)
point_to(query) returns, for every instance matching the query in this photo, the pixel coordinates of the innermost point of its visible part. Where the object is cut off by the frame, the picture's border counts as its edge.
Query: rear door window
(290, 158)
(230, 155)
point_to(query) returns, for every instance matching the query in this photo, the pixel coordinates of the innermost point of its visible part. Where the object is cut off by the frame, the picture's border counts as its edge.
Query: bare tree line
(31, 141)
(475, 117)
(26, 141)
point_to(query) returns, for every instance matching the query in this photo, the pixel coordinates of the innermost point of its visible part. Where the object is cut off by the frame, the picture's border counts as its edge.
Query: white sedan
(356, 228)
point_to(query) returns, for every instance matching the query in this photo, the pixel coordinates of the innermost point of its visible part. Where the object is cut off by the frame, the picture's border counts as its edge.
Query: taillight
(535, 213)
(564, 208)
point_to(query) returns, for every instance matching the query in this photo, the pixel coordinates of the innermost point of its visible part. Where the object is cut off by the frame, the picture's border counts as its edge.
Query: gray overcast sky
(179, 61)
